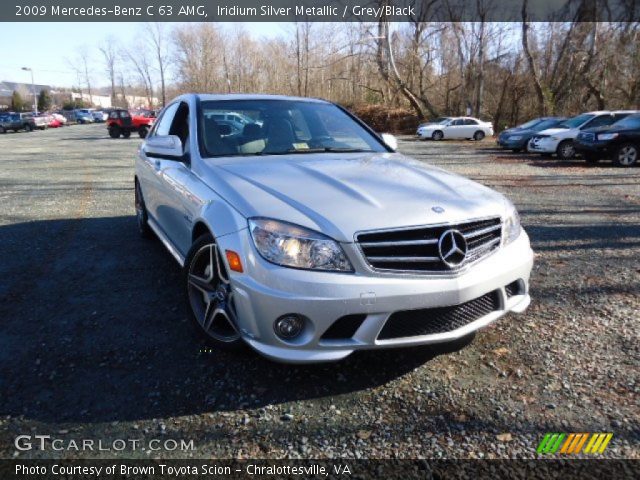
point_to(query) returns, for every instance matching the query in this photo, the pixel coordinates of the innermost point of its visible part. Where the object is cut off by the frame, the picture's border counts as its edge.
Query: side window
(600, 121)
(113, 115)
(458, 122)
(470, 121)
(180, 124)
(163, 125)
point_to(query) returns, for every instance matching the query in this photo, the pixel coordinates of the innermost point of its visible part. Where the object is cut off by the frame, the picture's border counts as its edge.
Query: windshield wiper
(327, 149)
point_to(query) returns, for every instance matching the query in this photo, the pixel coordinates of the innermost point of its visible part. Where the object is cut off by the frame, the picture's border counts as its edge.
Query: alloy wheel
(627, 155)
(211, 295)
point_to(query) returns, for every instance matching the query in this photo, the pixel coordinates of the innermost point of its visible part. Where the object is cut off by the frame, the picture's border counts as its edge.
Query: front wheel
(437, 135)
(210, 294)
(479, 135)
(28, 128)
(626, 155)
(143, 131)
(114, 132)
(141, 213)
(566, 150)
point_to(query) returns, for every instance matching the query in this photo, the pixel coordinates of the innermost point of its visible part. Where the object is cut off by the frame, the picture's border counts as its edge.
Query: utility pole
(33, 89)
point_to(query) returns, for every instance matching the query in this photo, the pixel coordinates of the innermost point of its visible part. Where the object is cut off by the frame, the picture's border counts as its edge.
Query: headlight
(607, 136)
(297, 247)
(515, 137)
(511, 227)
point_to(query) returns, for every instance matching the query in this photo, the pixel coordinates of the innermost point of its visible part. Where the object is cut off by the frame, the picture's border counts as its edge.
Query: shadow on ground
(94, 330)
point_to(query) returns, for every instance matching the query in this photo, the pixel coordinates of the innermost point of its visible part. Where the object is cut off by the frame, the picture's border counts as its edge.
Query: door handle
(156, 164)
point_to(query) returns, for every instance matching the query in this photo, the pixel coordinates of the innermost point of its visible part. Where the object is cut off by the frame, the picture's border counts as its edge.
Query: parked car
(99, 116)
(435, 121)
(620, 142)
(41, 120)
(517, 138)
(308, 237)
(54, 122)
(16, 122)
(559, 140)
(60, 118)
(456, 127)
(121, 122)
(84, 117)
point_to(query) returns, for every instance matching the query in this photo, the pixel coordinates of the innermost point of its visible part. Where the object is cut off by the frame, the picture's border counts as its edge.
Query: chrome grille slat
(401, 243)
(415, 249)
(405, 259)
(478, 233)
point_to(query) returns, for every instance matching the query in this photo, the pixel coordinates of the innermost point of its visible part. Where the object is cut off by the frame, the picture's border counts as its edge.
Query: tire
(2, 130)
(28, 128)
(437, 135)
(126, 133)
(566, 150)
(516, 150)
(478, 136)
(143, 131)
(626, 155)
(209, 295)
(141, 213)
(114, 132)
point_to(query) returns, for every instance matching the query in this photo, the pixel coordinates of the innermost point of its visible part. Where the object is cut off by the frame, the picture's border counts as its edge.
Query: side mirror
(390, 141)
(168, 147)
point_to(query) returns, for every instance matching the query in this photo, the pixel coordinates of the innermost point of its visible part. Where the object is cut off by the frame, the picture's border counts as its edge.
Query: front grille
(416, 249)
(429, 321)
(344, 328)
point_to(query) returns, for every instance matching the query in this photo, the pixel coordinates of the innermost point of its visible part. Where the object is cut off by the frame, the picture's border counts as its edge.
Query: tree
(17, 103)
(109, 49)
(44, 101)
(158, 39)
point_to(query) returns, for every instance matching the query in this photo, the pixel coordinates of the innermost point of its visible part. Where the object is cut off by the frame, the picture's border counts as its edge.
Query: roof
(12, 86)
(251, 96)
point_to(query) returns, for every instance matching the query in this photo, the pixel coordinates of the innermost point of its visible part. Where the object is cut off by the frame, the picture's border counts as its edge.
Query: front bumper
(512, 144)
(265, 292)
(543, 145)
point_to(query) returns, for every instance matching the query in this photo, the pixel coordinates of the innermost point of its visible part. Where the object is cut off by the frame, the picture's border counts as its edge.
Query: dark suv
(619, 142)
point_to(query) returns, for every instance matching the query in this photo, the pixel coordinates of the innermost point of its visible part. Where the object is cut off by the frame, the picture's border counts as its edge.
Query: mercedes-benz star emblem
(437, 209)
(452, 248)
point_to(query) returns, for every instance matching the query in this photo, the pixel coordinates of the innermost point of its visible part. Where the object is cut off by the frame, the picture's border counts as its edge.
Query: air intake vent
(344, 328)
(429, 321)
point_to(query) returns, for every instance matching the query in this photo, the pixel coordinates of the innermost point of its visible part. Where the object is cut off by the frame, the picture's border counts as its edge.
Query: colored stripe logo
(596, 443)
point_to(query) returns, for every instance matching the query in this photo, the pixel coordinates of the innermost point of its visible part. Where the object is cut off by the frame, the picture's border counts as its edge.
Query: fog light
(288, 326)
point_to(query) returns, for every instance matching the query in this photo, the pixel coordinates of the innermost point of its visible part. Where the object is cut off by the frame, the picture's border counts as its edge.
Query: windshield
(530, 124)
(575, 122)
(543, 125)
(632, 121)
(440, 120)
(278, 127)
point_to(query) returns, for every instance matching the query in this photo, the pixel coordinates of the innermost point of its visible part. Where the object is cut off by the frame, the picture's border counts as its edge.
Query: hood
(518, 131)
(554, 131)
(341, 194)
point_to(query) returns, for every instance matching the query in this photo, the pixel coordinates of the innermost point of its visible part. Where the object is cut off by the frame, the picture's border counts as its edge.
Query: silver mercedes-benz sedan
(304, 234)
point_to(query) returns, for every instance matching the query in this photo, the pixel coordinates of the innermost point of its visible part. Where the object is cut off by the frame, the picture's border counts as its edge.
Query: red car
(121, 122)
(54, 122)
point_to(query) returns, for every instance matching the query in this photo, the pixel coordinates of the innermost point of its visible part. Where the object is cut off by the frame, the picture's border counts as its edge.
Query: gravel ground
(94, 343)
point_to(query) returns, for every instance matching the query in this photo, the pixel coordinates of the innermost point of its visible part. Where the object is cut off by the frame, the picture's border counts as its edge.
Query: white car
(455, 127)
(559, 140)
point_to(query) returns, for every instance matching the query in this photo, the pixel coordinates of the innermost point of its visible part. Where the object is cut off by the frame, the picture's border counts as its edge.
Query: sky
(47, 47)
